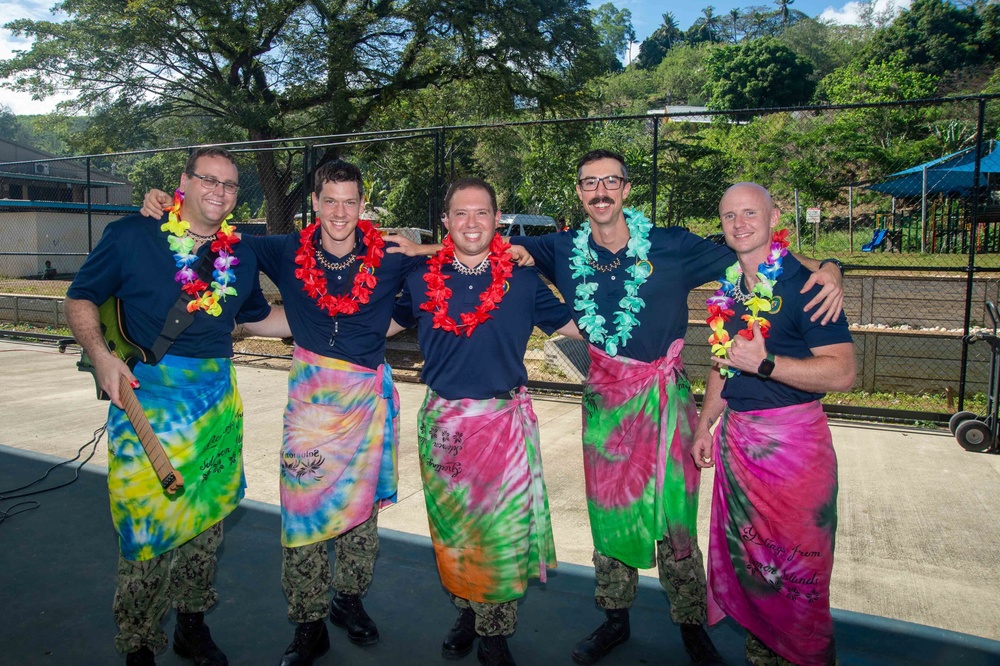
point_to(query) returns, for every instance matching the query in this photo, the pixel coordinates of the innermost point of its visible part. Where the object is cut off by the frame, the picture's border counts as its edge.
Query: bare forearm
(85, 323)
(712, 404)
(832, 369)
(275, 325)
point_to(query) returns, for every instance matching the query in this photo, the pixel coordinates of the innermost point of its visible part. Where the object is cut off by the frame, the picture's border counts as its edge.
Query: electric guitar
(112, 320)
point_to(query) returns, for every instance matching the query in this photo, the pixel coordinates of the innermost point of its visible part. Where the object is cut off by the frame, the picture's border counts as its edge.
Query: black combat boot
(493, 651)
(699, 646)
(614, 631)
(347, 612)
(458, 642)
(311, 641)
(193, 640)
(141, 657)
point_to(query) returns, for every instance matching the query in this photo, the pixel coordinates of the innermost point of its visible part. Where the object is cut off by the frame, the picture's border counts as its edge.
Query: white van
(522, 224)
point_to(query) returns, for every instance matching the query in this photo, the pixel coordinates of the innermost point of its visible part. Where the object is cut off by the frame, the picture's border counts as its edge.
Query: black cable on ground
(15, 493)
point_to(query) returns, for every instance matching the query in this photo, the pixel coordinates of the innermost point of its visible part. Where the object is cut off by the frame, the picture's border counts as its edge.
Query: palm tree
(734, 15)
(783, 10)
(711, 23)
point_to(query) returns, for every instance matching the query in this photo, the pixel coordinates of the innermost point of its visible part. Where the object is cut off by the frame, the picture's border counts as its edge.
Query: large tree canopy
(757, 74)
(278, 68)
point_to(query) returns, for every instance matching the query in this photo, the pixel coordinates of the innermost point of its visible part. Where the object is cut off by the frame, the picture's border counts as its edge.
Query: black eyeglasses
(590, 183)
(211, 182)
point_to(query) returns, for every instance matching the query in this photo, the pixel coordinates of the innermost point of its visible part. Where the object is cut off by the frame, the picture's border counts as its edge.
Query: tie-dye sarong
(193, 406)
(338, 454)
(638, 420)
(486, 502)
(774, 519)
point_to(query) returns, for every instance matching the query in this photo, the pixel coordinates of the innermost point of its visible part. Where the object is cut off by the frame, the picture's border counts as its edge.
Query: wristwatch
(766, 367)
(835, 262)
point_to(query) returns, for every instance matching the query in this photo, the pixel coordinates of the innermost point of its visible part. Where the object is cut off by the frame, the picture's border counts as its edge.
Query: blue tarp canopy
(951, 174)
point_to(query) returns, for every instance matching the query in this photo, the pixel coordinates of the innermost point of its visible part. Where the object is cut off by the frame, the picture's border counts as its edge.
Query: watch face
(766, 367)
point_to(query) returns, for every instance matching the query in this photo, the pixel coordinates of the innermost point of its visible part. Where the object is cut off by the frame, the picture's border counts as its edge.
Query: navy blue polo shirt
(681, 261)
(791, 334)
(360, 337)
(133, 261)
(491, 361)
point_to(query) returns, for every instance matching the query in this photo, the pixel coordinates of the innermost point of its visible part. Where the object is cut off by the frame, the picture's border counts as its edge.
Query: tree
(826, 45)
(783, 10)
(934, 36)
(757, 74)
(682, 75)
(708, 28)
(615, 32)
(267, 69)
(655, 47)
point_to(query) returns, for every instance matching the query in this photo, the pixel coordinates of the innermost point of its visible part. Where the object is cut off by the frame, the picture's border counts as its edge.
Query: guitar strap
(179, 318)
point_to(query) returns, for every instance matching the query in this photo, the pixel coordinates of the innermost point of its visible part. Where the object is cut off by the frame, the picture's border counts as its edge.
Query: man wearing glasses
(628, 283)
(168, 543)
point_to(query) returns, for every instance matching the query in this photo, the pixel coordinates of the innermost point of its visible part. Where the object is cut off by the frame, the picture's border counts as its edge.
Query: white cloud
(850, 13)
(18, 102)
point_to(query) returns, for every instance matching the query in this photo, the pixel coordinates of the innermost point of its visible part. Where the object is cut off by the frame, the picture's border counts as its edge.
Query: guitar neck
(150, 442)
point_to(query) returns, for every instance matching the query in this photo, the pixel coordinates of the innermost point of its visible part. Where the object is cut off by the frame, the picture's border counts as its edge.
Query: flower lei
(184, 257)
(625, 319)
(438, 294)
(314, 279)
(720, 304)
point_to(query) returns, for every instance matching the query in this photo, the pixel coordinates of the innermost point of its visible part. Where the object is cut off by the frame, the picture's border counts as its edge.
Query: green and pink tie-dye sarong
(638, 422)
(774, 520)
(193, 406)
(338, 454)
(486, 502)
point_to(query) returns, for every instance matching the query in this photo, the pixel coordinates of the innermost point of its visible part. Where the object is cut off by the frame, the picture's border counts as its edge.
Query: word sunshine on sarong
(750, 534)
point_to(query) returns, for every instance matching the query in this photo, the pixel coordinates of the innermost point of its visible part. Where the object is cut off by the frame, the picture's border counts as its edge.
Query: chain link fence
(906, 195)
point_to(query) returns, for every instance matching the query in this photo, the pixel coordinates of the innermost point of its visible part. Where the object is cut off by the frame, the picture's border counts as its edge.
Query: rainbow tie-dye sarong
(486, 501)
(774, 520)
(338, 454)
(642, 484)
(193, 406)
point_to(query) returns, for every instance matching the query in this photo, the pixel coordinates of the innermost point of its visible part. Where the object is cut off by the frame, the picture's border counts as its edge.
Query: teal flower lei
(625, 319)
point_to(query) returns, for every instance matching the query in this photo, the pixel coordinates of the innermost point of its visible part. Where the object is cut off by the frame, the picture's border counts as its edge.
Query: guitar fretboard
(150, 442)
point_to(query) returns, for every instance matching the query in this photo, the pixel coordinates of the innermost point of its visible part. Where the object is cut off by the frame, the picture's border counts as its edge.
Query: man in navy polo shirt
(628, 284)
(338, 279)
(168, 544)
(774, 509)
(477, 434)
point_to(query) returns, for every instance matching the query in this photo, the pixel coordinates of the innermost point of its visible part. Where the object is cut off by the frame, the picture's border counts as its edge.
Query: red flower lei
(314, 279)
(438, 294)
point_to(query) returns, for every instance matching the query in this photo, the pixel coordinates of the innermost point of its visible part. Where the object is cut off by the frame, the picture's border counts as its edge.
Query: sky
(647, 15)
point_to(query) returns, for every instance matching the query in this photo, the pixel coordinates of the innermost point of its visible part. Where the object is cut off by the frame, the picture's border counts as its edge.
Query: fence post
(798, 230)
(656, 166)
(971, 270)
(90, 209)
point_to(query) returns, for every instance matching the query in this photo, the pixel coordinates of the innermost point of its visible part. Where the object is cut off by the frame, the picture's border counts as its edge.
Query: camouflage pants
(683, 580)
(305, 571)
(491, 619)
(759, 654)
(145, 590)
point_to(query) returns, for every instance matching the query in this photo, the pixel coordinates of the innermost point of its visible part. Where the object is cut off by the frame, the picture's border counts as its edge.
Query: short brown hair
(337, 171)
(601, 154)
(467, 183)
(208, 151)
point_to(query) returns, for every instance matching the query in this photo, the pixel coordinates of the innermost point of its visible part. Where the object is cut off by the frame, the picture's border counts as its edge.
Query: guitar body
(112, 318)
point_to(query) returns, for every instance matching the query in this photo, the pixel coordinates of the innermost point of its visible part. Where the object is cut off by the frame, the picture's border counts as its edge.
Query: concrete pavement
(919, 516)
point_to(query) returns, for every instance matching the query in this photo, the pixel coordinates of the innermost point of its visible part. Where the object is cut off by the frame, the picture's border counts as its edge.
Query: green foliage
(658, 44)
(614, 32)
(682, 75)
(826, 46)
(268, 69)
(758, 74)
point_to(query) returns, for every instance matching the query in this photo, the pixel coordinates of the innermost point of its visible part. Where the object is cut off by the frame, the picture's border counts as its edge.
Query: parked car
(522, 224)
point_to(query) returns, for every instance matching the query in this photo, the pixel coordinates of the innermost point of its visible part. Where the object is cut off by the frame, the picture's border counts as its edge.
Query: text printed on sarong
(778, 570)
(226, 457)
(444, 448)
(302, 466)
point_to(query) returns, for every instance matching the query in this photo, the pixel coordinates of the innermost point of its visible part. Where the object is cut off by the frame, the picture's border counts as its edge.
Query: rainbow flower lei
(625, 319)
(182, 246)
(720, 304)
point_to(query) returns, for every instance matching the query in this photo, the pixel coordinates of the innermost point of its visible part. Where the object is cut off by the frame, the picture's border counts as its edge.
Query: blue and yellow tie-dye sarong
(338, 454)
(193, 406)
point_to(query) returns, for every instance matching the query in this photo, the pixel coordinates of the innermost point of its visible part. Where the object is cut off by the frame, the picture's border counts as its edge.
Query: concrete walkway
(919, 517)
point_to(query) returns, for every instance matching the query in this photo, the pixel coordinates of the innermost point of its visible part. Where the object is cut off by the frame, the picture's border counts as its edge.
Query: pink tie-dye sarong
(338, 454)
(486, 502)
(774, 519)
(642, 484)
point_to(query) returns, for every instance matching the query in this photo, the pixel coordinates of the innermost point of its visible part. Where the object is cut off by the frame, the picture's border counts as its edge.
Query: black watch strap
(766, 367)
(835, 262)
